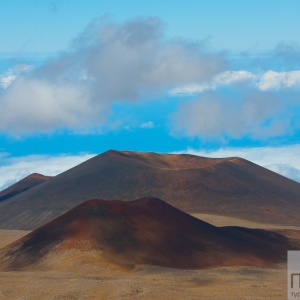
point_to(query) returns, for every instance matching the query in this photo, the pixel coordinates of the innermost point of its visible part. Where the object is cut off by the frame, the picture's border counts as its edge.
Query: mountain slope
(145, 231)
(228, 186)
(23, 185)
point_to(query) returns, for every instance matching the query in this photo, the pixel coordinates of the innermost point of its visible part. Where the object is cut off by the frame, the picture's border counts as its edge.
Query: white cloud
(147, 125)
(279, 80)
(269, 80)
(109, 62)
(222, 79)
(230, 77)
(39, 105)
(188, 89)
(7, 78)
(283, 160)
(12, 169)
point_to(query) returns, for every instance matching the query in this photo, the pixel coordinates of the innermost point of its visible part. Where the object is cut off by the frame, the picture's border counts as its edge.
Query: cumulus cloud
(108, 62)
(253, 114)
(238, 104)
(32, 104)
(13, 169)
(283, 160)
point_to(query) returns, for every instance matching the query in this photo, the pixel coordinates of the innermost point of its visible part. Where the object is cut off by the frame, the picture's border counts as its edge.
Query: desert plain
(89, 281)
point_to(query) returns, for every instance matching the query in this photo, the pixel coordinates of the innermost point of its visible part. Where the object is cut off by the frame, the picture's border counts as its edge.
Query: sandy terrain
(290, 231)
(147, 283)
(218, 220)
(9, 236)
(92, 282)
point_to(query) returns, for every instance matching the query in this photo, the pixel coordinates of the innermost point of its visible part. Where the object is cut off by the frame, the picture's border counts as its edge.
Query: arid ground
(148, 282)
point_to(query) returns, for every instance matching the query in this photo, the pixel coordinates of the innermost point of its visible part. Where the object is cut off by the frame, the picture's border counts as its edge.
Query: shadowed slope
(228, 186)
(23, 185)
(144, 231)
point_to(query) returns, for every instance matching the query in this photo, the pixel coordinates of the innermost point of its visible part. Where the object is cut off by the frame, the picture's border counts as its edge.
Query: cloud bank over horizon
(283, 160)
(13, 169)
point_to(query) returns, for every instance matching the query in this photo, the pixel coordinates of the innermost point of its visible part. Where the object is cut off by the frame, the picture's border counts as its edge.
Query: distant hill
(226, 186)
(23, 185)
(145, 231)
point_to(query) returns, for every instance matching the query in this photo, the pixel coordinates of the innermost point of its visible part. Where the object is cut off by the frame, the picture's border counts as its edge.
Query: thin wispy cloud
(147, 125)
(269, 80)
(287, 55)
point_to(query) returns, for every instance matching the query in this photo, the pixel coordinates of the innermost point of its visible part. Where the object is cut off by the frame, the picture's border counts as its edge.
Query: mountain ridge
(227, 186)
(23, 185)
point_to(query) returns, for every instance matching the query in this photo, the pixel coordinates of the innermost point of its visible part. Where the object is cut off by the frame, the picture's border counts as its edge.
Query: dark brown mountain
(145, 231)
(228, 186)
(23, 185)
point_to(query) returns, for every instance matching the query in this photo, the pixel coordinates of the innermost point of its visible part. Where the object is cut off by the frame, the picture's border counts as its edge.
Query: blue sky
(213, 78)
